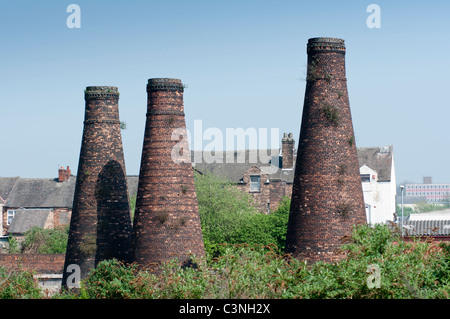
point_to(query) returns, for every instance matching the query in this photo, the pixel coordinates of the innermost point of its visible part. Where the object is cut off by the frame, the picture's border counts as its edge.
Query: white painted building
(377, 169)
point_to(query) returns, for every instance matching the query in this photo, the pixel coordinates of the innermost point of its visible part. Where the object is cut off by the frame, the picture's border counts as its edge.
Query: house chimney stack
(287, 151)
(63, 174)
(166, 222)
(100, 226)
(327, 197)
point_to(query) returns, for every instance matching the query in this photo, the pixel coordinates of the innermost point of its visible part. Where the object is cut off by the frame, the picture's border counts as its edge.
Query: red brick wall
(41, 263)
(100, 226)
(327, 196)
(166, 221)
(271, 193)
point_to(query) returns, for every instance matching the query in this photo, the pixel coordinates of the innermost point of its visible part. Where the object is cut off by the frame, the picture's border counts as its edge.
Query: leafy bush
(262, 229)
(45, 241)
(223, 209)
(18, 284)
(408, 269)
(110, 280)
(229, 215)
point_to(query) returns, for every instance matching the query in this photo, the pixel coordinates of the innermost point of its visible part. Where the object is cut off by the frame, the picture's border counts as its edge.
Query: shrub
(45, 241)
(415, 269)
(18, 284)
(111, 279)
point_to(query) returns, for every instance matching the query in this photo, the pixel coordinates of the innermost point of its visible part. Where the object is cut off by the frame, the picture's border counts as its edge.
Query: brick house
(43, 202)
(265, 174)
(268, 175)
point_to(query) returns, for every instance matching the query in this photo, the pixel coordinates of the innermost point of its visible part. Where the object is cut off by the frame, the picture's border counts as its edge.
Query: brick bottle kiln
(100, 226)
(327, 197)
(166, 222)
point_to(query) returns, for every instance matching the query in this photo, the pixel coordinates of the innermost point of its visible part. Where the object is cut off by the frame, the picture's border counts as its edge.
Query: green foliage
(132, 206)
(110, 280)
(14, 247)
(331, 113)
(262, 229)
(223, 209)
(18, 284)
(407, 270)
(421, 207)
(45, 241)
(228, 216)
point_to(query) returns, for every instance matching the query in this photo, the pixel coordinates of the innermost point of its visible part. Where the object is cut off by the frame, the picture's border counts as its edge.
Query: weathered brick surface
(100, 226)
(166, 222)
(287, 144)
(327, 197)
(40, 263)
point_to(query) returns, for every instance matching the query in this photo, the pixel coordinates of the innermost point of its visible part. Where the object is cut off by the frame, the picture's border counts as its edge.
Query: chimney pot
(287, 151)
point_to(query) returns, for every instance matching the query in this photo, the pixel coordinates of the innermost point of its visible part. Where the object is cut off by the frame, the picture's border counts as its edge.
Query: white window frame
(255, 186)
(10, 215)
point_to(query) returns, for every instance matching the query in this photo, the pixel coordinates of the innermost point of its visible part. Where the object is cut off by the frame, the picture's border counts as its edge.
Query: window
(255, 185)
(365, 178)
(10, 216)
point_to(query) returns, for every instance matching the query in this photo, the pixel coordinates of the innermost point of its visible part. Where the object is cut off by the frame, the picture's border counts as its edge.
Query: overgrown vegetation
(407, 270)
(228, 215)
(18, 284)
(41, 241)
(245, 259)
(331, 113)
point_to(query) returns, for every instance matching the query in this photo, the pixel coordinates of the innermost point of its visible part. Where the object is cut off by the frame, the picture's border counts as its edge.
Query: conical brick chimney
(166, 222)
(100, 226)
(327, 197)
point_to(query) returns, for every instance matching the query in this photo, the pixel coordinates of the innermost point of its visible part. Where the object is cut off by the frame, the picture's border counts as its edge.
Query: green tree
(265, 229)
(132, 206)
(18, 284)
(223, 209)
(45, 241)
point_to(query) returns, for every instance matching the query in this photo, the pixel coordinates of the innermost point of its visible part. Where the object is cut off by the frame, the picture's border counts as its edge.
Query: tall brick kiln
(100, 226)
(166, 222)
(327, 197)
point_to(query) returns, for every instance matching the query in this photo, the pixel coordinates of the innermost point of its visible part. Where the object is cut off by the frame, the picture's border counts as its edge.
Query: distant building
(268, 178)
(432, 193)
(267, 175)
(377, 169)
(43, 202)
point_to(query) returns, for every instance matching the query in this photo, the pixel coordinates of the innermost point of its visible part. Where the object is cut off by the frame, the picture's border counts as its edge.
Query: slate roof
(234, 164)
(6, 185)
(24, 219)
(49, 193)
(43, 192)
(378, 159)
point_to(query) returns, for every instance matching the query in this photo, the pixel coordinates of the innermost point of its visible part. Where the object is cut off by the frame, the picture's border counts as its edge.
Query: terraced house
(43, 202)
(267, 175)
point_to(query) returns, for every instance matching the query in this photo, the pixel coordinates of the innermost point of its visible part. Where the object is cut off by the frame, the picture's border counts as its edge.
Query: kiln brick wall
(167, 222)
(100, 226)
(327, 197)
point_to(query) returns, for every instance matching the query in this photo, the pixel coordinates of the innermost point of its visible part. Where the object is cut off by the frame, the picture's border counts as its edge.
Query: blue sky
(244, 63)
